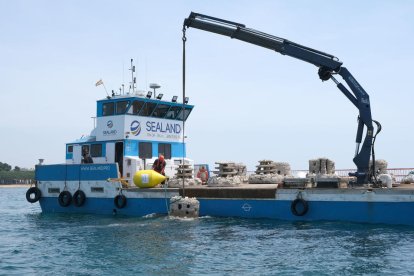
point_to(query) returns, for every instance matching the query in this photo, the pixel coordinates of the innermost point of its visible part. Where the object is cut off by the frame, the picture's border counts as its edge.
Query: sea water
(32, 243)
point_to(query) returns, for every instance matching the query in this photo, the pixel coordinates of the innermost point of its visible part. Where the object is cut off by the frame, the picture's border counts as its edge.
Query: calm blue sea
(32, 243)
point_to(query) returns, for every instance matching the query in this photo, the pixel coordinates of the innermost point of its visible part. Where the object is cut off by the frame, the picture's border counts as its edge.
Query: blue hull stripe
(75, 172)
(105, 206)
(367, 212)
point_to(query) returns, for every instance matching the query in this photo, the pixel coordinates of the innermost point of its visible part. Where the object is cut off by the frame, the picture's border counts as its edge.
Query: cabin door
(110, 152)
(119, 156)
(77, 154)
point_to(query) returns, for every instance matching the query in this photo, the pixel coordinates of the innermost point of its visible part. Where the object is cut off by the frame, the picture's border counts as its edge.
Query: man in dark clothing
(159, 165)
(87, 159)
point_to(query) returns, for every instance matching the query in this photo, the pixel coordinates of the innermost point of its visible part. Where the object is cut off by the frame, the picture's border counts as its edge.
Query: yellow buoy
(148, 178)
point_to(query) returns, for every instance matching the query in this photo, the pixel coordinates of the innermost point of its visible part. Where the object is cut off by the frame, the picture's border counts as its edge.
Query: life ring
(79, 198)
(120, 201)
(33, 191)
(303, 210)
(65, 198)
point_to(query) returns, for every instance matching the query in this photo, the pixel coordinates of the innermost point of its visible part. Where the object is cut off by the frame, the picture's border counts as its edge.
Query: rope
(166, 200)
(183, 109)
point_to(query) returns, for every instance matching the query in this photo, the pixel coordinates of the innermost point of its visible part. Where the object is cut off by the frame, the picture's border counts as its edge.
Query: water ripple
(50, 244)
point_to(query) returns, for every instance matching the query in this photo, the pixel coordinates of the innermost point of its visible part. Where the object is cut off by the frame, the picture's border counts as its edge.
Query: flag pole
(99, 82)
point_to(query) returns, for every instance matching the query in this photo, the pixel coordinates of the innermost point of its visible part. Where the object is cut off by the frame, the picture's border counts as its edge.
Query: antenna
(154, 86)
(133, 79)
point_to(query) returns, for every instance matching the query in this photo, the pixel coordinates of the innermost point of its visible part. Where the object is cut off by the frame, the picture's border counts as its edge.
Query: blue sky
(251, 103)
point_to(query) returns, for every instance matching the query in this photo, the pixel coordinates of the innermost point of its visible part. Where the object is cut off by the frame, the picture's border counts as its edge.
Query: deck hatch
(53, 190)
(97, 189)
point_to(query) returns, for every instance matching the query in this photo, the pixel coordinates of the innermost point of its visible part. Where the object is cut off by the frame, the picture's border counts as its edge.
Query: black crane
(328, 66)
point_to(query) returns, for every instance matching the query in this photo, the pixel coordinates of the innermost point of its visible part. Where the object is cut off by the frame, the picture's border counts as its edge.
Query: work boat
(132, 130)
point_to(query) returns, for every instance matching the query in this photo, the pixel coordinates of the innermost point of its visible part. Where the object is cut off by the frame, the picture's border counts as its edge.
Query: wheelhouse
(133, 131)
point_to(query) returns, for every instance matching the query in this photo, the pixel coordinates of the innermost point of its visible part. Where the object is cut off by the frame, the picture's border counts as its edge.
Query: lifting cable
(183, 108)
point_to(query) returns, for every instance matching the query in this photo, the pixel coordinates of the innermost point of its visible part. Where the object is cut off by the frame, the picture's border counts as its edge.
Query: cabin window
(147, 109)
(70, 149)
(135, 107)
(108, 109)
(165, 149)
(173, 112)
(121, 107)
(186, 113)
(161, 110)
(145, 150)
(96, 150)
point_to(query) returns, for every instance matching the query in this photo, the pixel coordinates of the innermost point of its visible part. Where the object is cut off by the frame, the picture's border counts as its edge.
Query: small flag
(99, 82)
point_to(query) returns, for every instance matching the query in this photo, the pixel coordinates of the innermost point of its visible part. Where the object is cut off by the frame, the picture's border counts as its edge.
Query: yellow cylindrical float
(148, 178)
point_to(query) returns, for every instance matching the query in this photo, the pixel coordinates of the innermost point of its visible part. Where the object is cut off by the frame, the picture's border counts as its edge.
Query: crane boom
(328, 66)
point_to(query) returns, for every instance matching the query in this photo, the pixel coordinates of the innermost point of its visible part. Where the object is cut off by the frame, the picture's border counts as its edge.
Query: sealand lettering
(160, 127)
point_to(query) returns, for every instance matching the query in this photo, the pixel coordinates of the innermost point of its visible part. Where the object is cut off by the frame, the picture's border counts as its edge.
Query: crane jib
(327, 64)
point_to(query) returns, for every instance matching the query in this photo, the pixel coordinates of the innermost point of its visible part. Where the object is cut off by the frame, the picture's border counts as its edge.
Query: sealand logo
(246, 207)
(109, 124)
(135, 128)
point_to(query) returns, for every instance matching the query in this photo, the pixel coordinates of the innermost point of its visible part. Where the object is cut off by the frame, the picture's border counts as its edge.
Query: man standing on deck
(159, 165)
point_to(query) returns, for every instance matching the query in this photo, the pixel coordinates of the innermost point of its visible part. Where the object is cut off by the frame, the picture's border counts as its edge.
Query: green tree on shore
(5, 167)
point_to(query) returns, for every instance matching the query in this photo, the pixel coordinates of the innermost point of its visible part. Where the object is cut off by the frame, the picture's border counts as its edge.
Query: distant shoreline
(14, 185)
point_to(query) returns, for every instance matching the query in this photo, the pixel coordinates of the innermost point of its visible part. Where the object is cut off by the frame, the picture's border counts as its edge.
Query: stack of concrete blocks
(322, 170)
(184, 207)
(184, 175)
(269, 172)
(321, 166)
(229, 174)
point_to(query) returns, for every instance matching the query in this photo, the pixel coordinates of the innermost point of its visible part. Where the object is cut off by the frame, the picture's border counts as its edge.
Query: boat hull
(100, 186)
(142, 203)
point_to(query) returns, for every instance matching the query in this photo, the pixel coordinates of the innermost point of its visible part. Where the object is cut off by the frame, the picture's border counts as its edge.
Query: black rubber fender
(79, 198)
(120, 201)
(302, 211)
(33, 191)
(65, 198)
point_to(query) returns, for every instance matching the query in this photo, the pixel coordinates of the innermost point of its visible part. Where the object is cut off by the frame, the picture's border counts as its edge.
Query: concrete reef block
(184, 207)
(217, 181)
(381, 166)
(283, 168)
(230, 169)
(408, 179)
(322, 166)
(272, 178)
(177, 182)
(184, 171)
(270, 167)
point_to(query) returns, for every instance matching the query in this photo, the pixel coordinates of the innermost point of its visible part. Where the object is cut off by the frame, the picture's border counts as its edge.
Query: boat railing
(398, 173)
